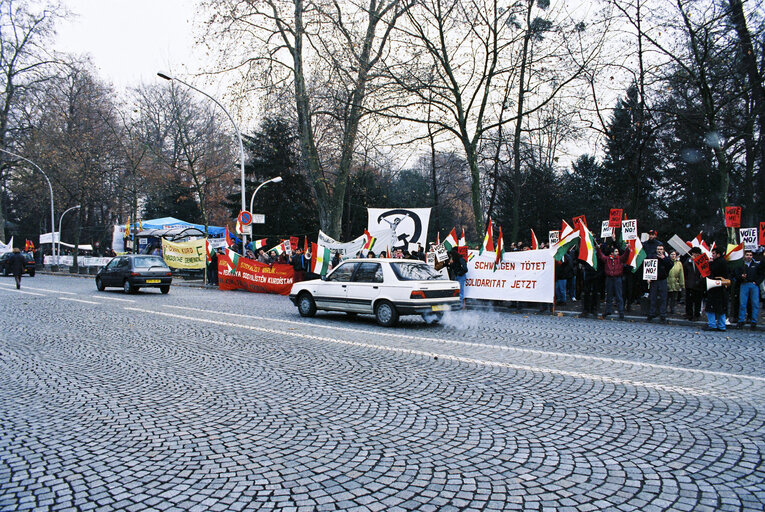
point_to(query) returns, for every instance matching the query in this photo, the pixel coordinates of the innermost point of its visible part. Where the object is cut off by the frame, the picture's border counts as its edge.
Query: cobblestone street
(210, 400)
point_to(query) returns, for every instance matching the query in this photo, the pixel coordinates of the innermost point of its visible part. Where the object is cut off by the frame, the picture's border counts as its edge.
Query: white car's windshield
(415, 271)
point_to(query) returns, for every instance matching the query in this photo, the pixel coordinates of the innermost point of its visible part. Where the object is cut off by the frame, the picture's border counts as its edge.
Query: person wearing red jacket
(614, 267)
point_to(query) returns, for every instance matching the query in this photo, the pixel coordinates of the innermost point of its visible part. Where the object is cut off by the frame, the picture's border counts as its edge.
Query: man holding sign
(657, 275)
(717, 297)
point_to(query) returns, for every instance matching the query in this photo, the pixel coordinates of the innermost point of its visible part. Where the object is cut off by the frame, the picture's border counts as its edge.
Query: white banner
(749, 238)
(408, 226)
(527, 276)
(350, 249)
(118, 239)
(83, 261)
(217, 243)
(6, 247)
(48, 238)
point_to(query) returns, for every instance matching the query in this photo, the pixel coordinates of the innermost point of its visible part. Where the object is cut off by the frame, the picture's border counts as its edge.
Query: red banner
(732, 216)
(702, 262)
(615, 218)
(255, 276)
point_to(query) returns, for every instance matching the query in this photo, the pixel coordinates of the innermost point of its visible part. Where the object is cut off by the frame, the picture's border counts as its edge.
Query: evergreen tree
(289, 206)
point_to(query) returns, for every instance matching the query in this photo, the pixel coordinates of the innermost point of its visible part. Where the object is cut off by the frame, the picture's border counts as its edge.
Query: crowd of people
(679, 283)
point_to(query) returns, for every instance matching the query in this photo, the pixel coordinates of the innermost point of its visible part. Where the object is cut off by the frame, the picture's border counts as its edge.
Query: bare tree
(327, 52)
(23, 61)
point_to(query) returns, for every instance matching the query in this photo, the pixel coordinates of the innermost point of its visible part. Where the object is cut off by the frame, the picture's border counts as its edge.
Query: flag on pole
(305, 243)
(488, 240)
(229, 259)
(238, 227)
(701, 244)
(368, 244)
(278, 249)
(438, 238)
(566, 242)
(500, 250)
(637, 254)
(587, 243)
(127, 228)
(462, 242)
(257, 244)
(534, 243)
(229, 240)
(321, 259)
(451, 240)
(140, 223)
(735, 255)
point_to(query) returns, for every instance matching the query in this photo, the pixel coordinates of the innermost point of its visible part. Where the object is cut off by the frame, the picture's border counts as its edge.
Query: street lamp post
(60, 220)
(272, 180)
(238, 133)
(52, 217)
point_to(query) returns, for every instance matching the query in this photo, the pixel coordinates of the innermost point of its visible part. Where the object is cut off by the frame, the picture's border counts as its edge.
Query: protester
(749, 275)
(17, 266)
(591, 285)
(650, 245)
(262, 256)
(212, 268)
(614, 269)
(675, 282)
(694, 286)
(658, 288)
(457, 267)
(717, 297)
(335, 259)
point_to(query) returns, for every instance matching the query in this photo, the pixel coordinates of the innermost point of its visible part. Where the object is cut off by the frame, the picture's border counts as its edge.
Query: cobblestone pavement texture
(210, 400)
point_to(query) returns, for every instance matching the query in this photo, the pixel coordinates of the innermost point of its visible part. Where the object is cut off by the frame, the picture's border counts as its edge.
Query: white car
(387, 288)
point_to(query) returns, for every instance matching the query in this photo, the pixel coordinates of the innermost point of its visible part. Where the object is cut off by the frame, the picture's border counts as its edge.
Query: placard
(629, 229)
(650, 269)
(553, 237)
(615, 218)
(288, 247)
(430, 258)
(762, 233)
(441, 253)
(749, 238)
(732, 216)
(606, 230)
(702, 263)
(679, 245)
(463, 250)
(294, 243)
(579, 219)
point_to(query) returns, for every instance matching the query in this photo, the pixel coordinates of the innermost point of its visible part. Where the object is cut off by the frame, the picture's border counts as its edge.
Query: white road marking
(14, 290)
(78, 300)
(111, 298)
(449, 357)
(494, 347)
(40, 289)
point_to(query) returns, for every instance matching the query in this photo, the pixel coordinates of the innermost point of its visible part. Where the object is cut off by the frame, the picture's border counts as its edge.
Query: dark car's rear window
(148, 262)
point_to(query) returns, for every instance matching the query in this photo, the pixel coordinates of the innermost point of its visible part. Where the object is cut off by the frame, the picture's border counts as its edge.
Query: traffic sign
(245, 218)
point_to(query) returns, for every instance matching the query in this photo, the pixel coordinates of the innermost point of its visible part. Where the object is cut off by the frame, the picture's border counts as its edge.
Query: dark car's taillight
(169, 274)
(135, 274)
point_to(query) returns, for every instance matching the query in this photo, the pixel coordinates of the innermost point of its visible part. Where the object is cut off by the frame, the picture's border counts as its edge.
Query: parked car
(29, 263)
(135, 271)
(386, 288)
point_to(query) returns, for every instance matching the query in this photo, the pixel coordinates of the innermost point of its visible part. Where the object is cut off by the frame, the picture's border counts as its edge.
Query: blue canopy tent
(172, 222)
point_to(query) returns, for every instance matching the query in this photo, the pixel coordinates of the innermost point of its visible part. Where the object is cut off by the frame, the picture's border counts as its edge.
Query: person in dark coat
(17, 266)
(458, 269)
(694, 286)
(717, 298)
(658, 289)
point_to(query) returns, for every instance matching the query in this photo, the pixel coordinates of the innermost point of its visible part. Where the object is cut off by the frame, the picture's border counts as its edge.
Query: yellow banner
(189, 254)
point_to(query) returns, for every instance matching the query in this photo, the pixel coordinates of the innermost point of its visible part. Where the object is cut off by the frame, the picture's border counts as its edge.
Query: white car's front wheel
(386, 314)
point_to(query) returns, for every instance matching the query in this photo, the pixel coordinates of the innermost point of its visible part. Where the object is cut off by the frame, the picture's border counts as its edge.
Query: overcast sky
(130, 40)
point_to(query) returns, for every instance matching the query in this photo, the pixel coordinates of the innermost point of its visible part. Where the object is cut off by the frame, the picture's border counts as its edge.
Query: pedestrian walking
(17, 266)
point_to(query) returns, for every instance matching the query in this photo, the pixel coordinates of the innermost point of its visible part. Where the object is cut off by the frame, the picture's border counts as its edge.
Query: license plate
(153, 281)
(441, 307)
